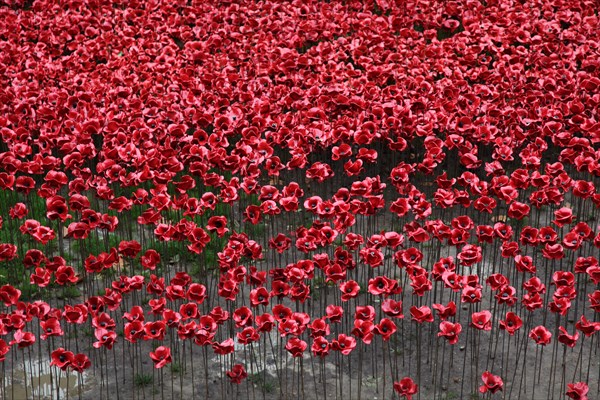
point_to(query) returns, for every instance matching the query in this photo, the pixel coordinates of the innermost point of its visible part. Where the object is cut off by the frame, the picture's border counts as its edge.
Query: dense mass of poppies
(402, 192)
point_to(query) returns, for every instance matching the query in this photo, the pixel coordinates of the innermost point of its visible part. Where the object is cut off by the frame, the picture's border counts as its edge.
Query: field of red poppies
(299, 199)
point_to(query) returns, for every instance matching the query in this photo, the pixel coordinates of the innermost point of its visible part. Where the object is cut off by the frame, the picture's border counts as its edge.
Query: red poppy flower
(296, 346)
(445, 312)
(9, 295)
(421, 314)
(130, 248)
(154, 330)
(491, 383)
(541, 335)
(223, 348)
(386, 328)
(406, 388)
(243, 317)
(344, 344)
(104, 338)
(511, 323)
(7, 251)
(18, 211)
(334, 313)
(588, 328)
(320, 346)
(503, 231)
(4, 348)
(518, 210)
(469, 255)
(482, 320)
(161, 356)
(363, 329)
(57, 208)
(450, 331)
(566, 339)
(280, 243)
(78, 230)
(595, 300)
(506, 295)
(65, 274)
(577, 391)
(470, 294)
(563, 216)
(217, 224)
(392, 308)
(80, 362)
(61, 358)
(50, 327)
(237, 373)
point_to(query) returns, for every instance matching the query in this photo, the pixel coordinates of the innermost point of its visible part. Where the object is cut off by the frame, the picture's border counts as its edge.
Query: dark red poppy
(406, 388)
(334, 313)
(566, 339)
(18, 211)
(154, 330)
(105, 338)
(421, 314)
(9, 295)
(161, 356)
(386, 328)
(392, 308)
(577, 391)
(344, 344)
(492, 383)
(130, 248)
(469, 255)
(50, 327)
(237, 373)
(320, 346)
(65, 274)
(450, 331)
(280, 243)
(223, 348)
(243, 317)
(7, 251)
(595, 300)
(588, 328)
(541, 335)
(482, 320)
(445, 312)
(296, 346)
(61, 358)
(57, 208)
(80, 363)
(511, 323)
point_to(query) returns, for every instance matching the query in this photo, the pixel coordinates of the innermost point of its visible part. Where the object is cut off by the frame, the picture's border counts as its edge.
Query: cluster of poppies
(330, 166)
